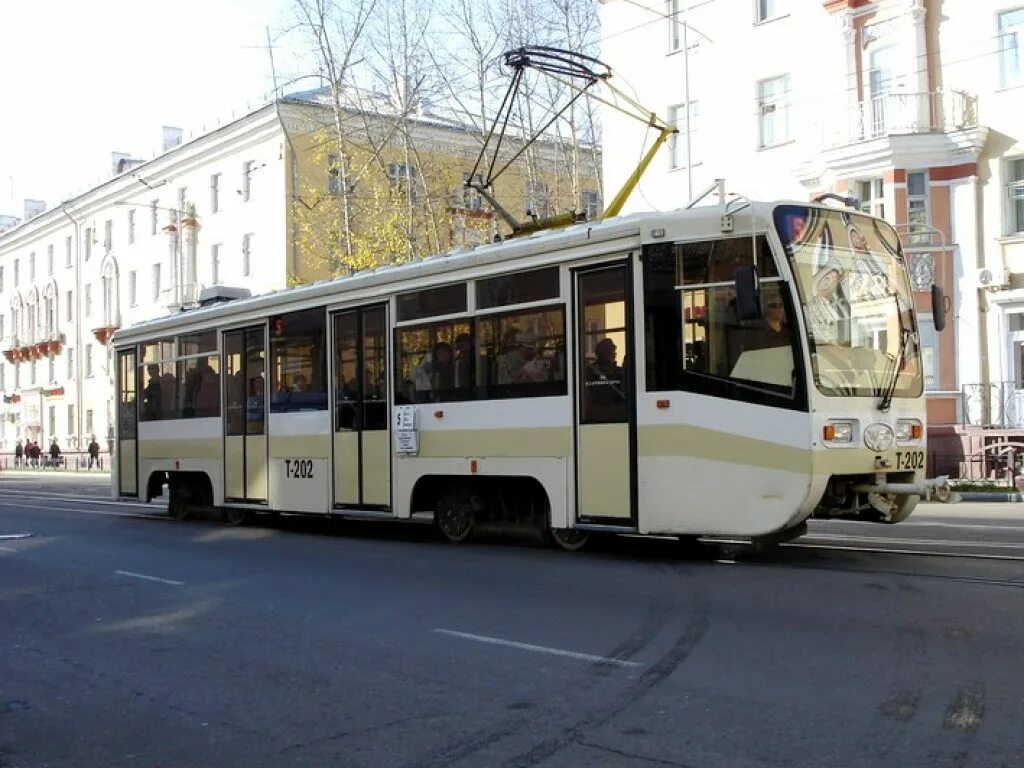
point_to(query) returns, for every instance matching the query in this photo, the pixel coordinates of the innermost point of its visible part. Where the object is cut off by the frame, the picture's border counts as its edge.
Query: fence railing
(72, 461)
(996, 404)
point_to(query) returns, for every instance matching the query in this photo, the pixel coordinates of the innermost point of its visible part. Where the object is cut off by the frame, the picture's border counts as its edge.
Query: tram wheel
(569, 539)
(177, 505)
(235, 516)
(454, 517)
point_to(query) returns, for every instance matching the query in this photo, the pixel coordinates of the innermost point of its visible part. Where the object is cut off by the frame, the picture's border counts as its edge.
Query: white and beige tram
(712, 371)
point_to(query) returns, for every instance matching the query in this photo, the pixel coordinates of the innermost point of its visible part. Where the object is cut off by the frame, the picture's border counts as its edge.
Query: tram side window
(696, 340)
(435, 363)
(297, 362)
(517, 288)
(199, 379)
(159, 392)
(521, 354)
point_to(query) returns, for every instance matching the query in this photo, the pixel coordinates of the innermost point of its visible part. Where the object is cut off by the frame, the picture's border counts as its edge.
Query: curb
(990, 497)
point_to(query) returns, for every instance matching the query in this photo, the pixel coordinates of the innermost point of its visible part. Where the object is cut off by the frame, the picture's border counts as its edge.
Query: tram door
(362, 457)
(127, 416)
(245, 415)
(605, 423)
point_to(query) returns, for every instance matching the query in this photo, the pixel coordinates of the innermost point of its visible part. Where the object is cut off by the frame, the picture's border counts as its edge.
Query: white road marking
(6, 536)
(8, 549)
(538, 648)
(172, 582)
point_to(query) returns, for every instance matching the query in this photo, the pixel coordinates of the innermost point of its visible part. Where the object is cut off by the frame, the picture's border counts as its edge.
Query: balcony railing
(996, 404)
(897, 113)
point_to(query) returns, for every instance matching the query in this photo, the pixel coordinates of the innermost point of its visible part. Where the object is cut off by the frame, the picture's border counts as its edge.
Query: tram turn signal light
(908, 429)
(838, 432)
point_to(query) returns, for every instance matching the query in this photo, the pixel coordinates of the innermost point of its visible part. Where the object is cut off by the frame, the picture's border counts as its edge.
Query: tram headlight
(879, 437)
(908, 430)
(838, 432)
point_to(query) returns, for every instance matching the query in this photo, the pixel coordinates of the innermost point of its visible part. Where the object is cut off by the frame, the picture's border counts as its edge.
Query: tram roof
(549, 247)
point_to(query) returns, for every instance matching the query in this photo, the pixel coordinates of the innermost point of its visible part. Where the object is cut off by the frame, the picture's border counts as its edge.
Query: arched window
(50, 310)
(32, 317)
(111, 301)
(17, 318)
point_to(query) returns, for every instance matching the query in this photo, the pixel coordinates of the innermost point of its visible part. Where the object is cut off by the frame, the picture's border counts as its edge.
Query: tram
(727, 370)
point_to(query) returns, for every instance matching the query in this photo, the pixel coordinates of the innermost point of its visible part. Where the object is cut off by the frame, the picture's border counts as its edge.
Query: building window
(51, 370)
(132, 288)
(71, 419)
(1011, 41)
(246, 180)
(52, 420)
(917, 208)
(247, 254)
(67, 251)
(929, 351)
(156, 282)
(538, 199)
(871, 195)
(333, 175)
(131, 226)
(768, 9)
(1, 279)
(49, 259)
(88, 243)
(71, 362)
(31, 267)
(88, 300)
(471, 200)
(17, 272)
(70, 306)
(32, 374)
(214, 264)
(111, 311)
(591, 204)
(108, 235)
(214, 193)
(404, 177)
(773, 111)
(1015, 191)
(88, 421)
(88, 360)
(154, 217)
(683, 141)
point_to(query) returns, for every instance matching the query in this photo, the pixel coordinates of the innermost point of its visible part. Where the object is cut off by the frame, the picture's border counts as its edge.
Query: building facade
(231, 207)
(912, 107)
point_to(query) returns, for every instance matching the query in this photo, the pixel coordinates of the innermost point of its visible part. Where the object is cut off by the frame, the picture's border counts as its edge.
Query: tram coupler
(934, 489)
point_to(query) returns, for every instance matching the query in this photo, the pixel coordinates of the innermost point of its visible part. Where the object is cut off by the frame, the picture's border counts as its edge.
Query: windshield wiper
(893, 370)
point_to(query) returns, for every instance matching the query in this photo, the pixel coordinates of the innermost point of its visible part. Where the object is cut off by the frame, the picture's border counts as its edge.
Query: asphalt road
(127, 639)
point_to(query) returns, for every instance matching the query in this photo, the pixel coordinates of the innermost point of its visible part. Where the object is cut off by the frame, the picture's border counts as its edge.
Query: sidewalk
(32, 472)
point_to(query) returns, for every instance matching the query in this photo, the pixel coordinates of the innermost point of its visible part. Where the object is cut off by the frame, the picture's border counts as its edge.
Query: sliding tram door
(245, 414)
(127, 425)
(362, 466)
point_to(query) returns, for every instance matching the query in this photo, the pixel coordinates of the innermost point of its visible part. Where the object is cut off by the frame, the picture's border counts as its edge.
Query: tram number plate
(910, 460)
(301, 469)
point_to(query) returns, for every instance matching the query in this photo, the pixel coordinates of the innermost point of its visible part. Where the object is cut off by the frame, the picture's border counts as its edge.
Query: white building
(913, 106)
(203, 213)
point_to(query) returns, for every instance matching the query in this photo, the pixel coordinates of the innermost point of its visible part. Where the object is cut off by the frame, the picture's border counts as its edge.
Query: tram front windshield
(856, 299)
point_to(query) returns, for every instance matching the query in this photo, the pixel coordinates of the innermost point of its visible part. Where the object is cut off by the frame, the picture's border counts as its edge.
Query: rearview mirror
(938, 308)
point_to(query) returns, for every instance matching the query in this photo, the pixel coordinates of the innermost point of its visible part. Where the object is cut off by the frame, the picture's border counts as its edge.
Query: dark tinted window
(435, 363)
(518, 288)
(521, 354)
(297, 362)
(433, 302)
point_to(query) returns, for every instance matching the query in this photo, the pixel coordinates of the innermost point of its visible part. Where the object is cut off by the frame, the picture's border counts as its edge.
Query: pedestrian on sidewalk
(54, 454)
(94, 453)
(18, 453)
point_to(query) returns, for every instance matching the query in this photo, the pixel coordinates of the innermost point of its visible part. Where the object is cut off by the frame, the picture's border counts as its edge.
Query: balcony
(893, 129)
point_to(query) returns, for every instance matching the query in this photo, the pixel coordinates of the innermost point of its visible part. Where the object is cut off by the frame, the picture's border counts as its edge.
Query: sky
(80, 79)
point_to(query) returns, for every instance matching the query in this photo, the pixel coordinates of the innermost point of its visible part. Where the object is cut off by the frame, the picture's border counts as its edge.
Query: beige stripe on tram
(698, 442)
